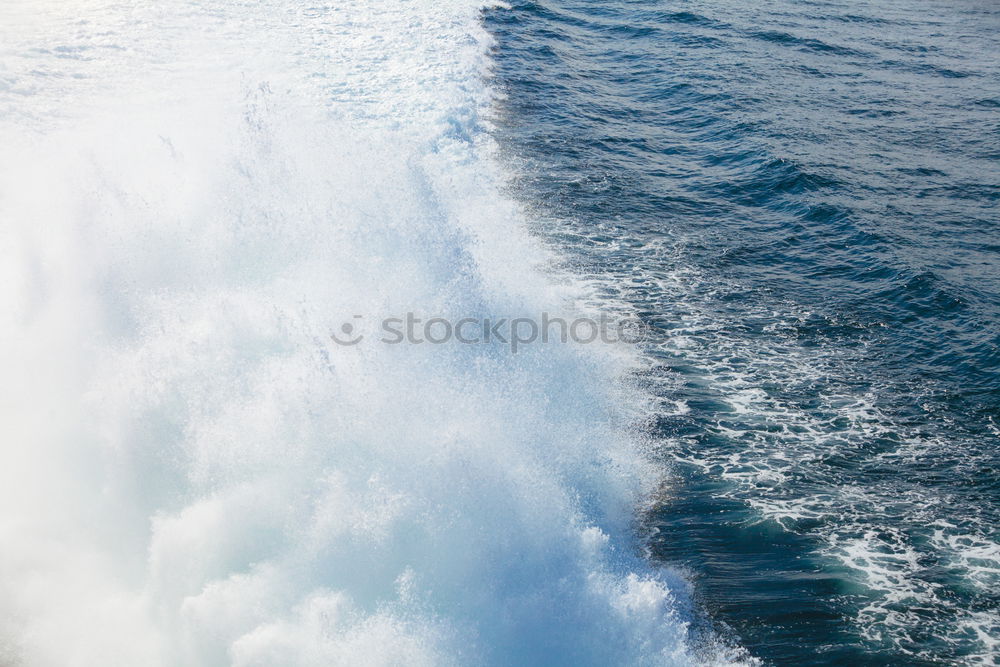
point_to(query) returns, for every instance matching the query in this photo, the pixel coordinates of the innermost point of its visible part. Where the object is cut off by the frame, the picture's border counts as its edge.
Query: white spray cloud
(192, 473)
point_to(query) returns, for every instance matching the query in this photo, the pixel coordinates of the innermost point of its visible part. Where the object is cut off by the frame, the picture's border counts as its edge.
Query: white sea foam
(890, 539)
(193, 196)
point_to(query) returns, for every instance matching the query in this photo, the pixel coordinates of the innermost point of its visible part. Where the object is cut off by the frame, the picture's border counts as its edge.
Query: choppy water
(798, 198)
(193, 196)
(802, 199)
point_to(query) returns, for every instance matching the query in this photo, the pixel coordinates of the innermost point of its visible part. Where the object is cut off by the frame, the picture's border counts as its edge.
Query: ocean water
(802, 199)
(798, 465)
(195, 196)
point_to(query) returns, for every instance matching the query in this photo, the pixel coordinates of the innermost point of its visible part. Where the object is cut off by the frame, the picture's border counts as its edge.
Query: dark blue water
(803, 200)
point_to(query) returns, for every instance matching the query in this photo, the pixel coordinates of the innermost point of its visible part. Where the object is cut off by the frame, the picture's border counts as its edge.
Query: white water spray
(192, 196)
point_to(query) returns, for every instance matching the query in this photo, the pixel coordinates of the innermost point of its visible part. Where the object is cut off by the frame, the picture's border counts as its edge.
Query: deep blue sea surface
(802, 199)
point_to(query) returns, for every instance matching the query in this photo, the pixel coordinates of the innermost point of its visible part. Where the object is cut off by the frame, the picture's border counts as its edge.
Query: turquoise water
(801, 199)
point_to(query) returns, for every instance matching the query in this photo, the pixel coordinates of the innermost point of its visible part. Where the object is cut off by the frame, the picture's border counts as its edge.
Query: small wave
(807, 43)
